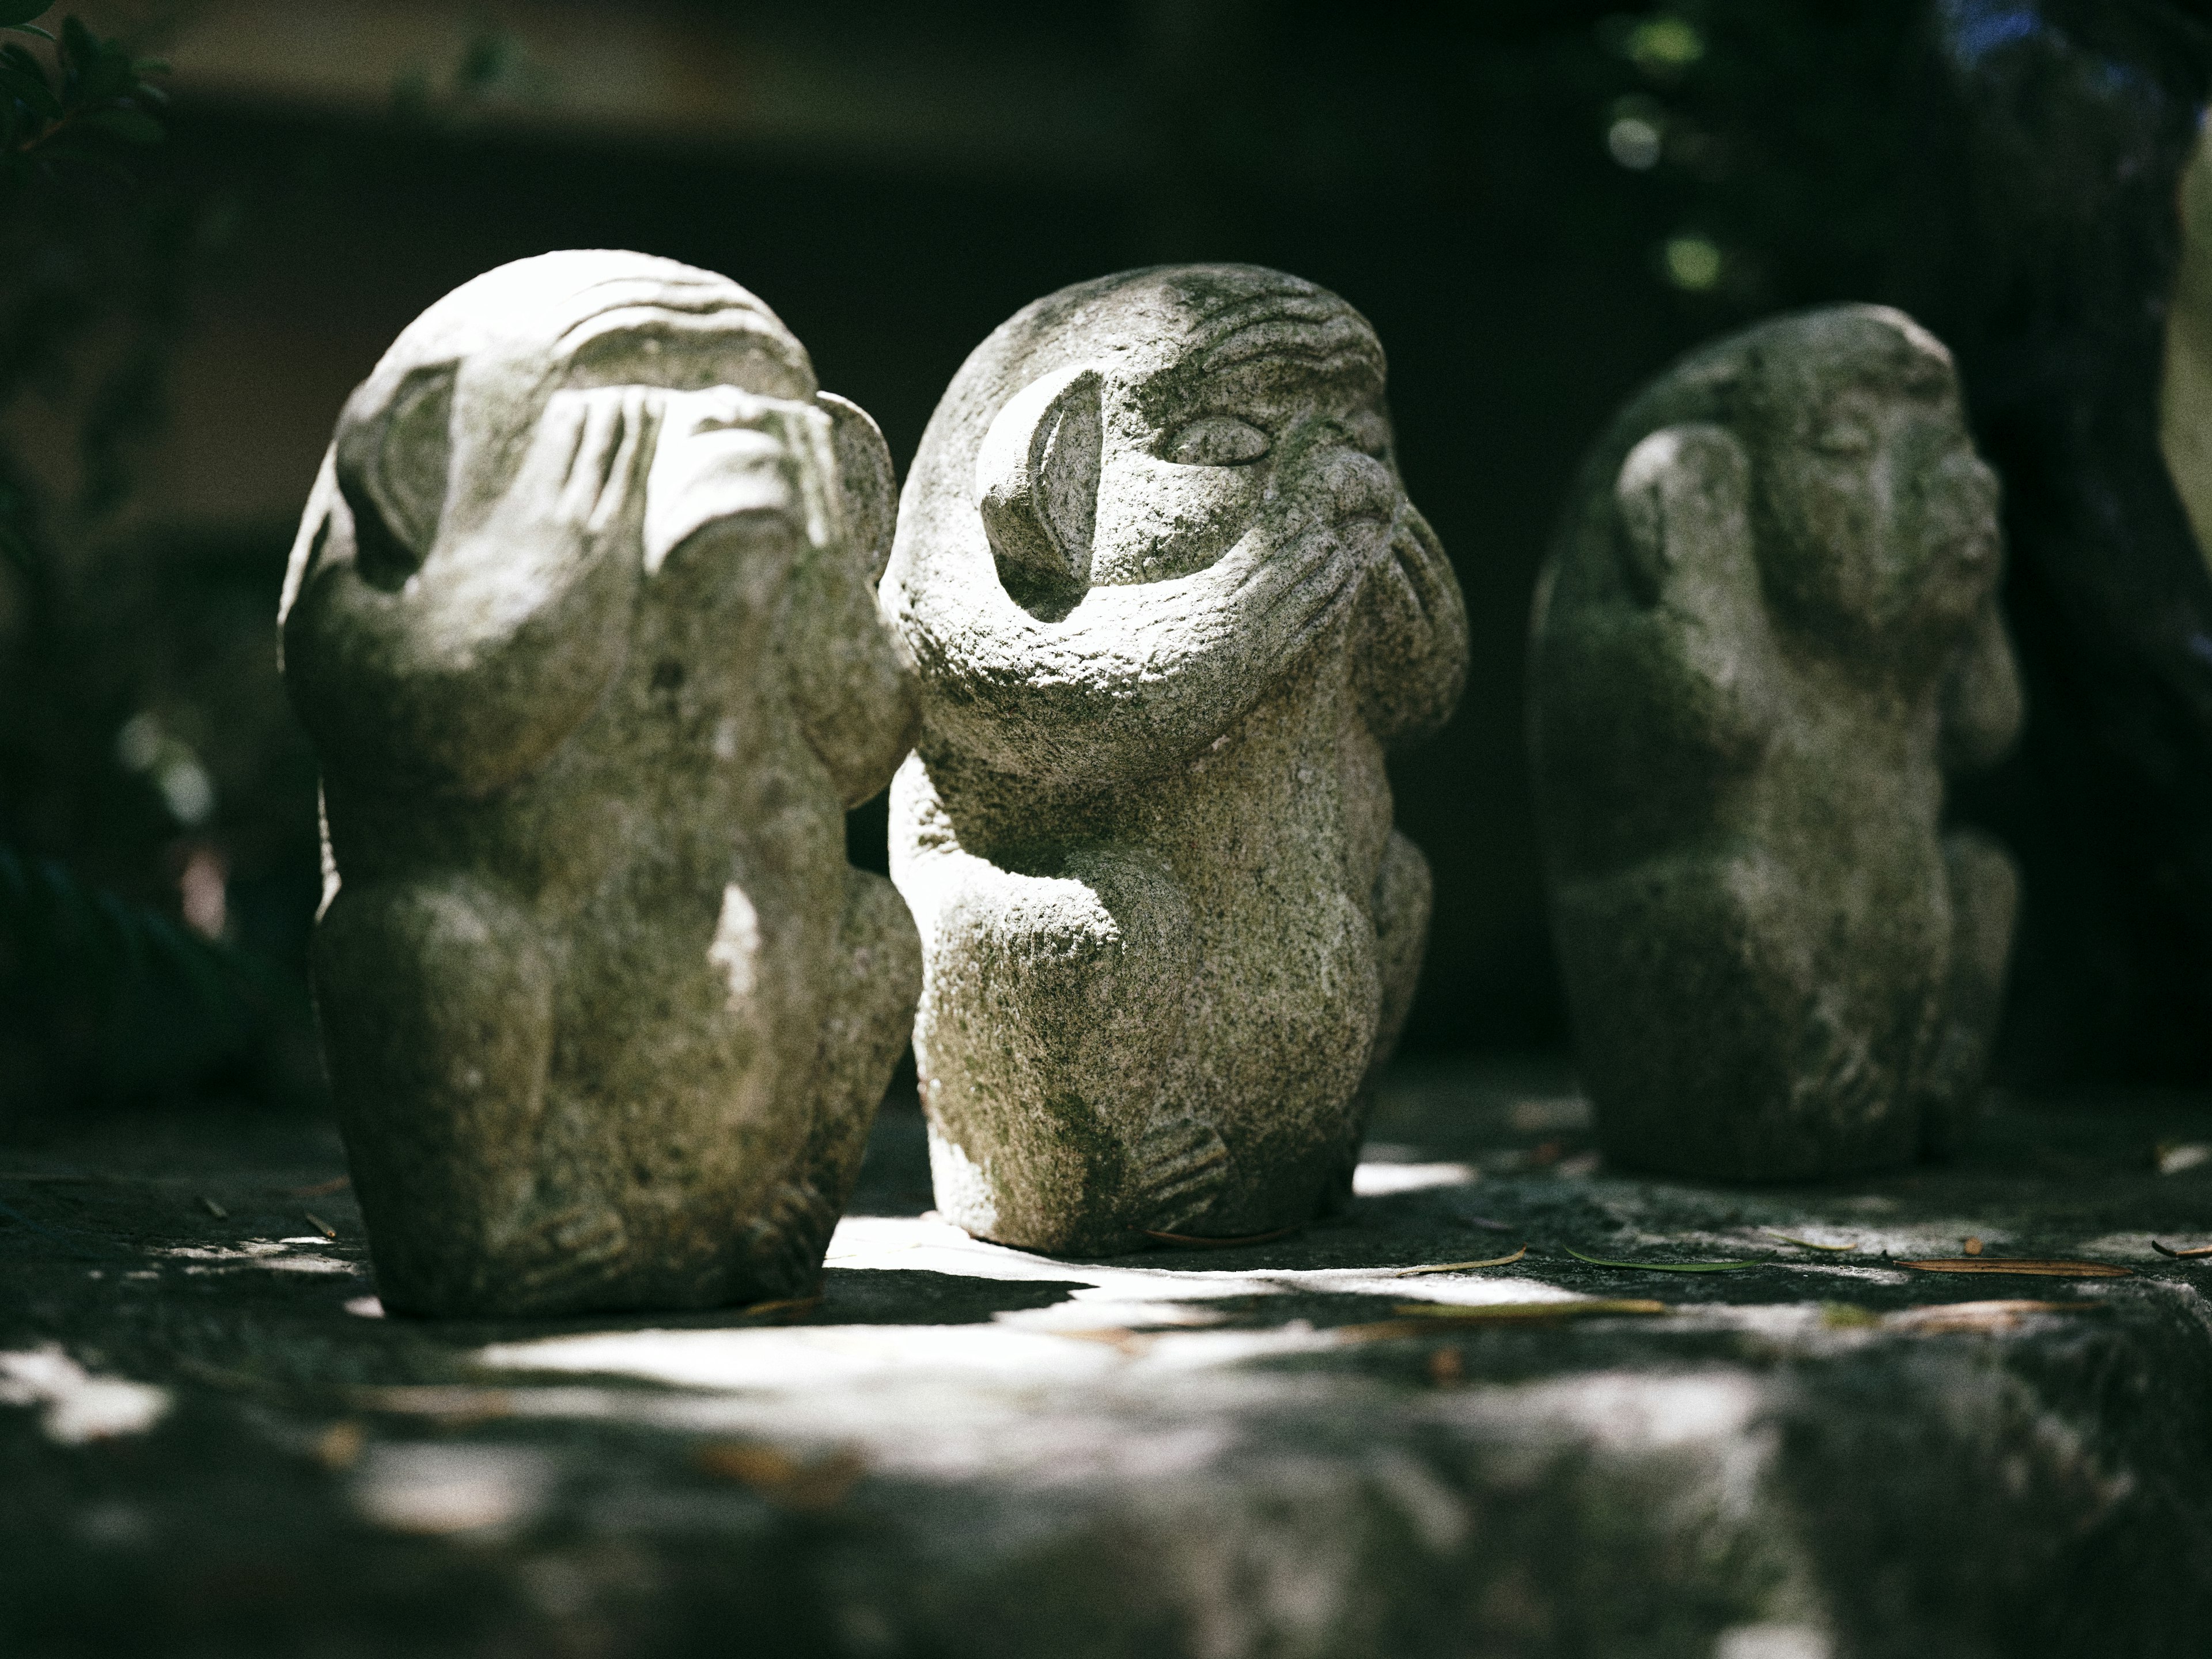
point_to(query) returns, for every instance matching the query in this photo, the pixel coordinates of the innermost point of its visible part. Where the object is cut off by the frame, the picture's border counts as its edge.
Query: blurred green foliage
(1770, 137)
(115, 981)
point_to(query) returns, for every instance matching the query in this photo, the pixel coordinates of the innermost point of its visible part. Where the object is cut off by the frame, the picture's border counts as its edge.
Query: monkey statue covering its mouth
(1168, 605)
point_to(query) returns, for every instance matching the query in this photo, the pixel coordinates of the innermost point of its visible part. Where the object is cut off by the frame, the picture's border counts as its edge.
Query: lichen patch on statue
(582, 622)
(1767, 629)
(1168, 605)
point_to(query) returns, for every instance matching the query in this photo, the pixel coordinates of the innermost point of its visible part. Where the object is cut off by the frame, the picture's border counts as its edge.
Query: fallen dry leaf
(1458, 1266)
(1973, 1247)
(1979, 1315)
(2181, 1255)
(780, 1306)
(1112, 1336)
(455, 1403)
(1419, 1318)
(1998, 1264)
(1663, 1267)
(1808, 1244)
(1482, 1311)
(338, 1446)
(814, 1484)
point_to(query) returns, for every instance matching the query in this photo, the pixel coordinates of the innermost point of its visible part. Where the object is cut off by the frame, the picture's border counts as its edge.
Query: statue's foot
(1176, 1170)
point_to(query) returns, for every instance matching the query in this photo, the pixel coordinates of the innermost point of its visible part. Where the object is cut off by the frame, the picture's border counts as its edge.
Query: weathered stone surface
(210, 1444)
(581, 621)
(1766, 630)
(1170, 605)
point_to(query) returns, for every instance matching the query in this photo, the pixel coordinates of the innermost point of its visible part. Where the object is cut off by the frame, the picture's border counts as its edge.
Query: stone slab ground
(215, 1444)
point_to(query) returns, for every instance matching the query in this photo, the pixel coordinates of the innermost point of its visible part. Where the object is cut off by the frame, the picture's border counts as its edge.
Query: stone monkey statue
(1767, 629)
(581, 621)
(1168, 605)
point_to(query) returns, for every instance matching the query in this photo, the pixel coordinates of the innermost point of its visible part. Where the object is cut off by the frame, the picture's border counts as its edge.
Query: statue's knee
(1404, 891)
(1097, 908)
(1984, 885)
(435, 965)
(1131, 906)
(435, 1003)
(880, 949)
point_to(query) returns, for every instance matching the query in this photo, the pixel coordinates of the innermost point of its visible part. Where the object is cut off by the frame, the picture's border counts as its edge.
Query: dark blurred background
(1538, 202)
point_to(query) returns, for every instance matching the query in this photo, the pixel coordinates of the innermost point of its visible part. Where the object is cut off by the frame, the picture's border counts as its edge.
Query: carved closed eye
(1217, 440)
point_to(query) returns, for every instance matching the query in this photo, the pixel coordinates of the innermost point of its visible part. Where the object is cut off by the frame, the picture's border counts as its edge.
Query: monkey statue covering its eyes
(1168, 605)
(1767, 628)
(581, 621)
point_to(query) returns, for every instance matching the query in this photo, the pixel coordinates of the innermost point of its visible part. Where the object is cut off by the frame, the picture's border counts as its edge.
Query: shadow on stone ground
(213, 1442)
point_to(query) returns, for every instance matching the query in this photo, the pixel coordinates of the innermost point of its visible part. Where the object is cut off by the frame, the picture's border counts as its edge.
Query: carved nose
(1962, 497)
(1355, 485)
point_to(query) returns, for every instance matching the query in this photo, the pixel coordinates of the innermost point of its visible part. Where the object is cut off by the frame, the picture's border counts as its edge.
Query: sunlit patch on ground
(78, 1406)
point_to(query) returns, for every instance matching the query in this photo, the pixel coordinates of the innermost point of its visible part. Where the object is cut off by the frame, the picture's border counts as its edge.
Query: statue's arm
(854, 694)
(1653, 677)
(1981, 705)
(1686, 558)
(464, 673)
(855, 699)
(1135, 674)
(1412, 638)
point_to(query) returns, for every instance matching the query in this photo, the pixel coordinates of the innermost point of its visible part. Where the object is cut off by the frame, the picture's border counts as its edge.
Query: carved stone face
(1253, 404)
(491, 483)
(433, 437)
(1873, 512)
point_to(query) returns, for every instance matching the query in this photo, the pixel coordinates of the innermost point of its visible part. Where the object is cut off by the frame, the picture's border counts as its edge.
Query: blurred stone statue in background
(2052, 229)
(581, 621)
(1766, 631)
(1170, 605)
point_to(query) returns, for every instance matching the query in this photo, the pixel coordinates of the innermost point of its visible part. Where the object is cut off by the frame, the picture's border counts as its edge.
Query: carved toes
(1177, 1167)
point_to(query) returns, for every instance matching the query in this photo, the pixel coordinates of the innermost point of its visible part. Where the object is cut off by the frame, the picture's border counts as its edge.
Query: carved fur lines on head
(1284, 317)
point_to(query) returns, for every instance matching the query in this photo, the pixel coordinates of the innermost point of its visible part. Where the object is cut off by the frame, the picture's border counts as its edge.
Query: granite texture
(211, 1445)
(1169, 605)
(1767, 629)
(581, 621)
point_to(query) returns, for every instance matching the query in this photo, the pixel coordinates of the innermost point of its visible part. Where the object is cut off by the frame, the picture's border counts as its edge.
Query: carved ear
(392, 466)
(868, 481)
(1036, 485)
(1683, 489)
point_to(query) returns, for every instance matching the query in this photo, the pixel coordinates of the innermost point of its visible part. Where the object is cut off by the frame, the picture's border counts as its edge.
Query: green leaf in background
(16, 15)
(1664, 1266)
(131, 125)
(29, 87)
(23, 64)
(99, 68)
